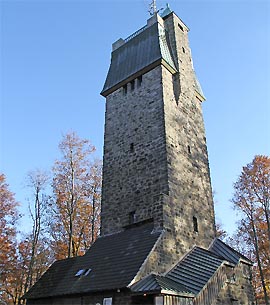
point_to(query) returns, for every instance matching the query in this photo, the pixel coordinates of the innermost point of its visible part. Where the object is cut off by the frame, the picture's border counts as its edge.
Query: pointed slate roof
(112, 262)
(142, 51)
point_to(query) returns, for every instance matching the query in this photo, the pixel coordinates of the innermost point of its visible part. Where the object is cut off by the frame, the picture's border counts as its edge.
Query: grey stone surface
(155, 155)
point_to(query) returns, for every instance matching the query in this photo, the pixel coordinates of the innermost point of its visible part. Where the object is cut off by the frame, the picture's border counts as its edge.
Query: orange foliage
(252, 199)
(76, 187)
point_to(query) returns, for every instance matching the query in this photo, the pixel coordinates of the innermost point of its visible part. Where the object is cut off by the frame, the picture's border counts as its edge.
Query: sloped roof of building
(188, 277)
(112, 262)
(192, 272)
(144, 50)
(223, 250)
(195, 269)
(156, 283)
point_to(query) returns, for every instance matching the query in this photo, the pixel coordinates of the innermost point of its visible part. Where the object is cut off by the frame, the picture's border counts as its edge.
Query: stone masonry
(155, 155)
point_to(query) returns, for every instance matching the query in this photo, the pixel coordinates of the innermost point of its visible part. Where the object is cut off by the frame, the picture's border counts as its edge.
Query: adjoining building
(158, 241)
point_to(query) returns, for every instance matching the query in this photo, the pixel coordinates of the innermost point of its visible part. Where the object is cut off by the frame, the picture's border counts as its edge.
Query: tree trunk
(255, 238)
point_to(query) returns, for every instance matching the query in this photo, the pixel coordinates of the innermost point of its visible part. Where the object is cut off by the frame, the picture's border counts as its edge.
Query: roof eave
(165, 292)
(106, 92)
(177, 293)
(160, 61)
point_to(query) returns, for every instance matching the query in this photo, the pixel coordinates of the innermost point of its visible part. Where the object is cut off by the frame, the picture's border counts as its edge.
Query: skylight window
(84, 272)
(87, 271)
(80, 272)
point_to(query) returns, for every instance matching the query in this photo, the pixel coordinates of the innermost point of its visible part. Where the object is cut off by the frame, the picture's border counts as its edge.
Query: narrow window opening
(125, 89)
(132, 217)
(139, 81)
(132, 84)
(180, 27)
(189, 149)
(131, 147)
(195, 224)
(184, 51)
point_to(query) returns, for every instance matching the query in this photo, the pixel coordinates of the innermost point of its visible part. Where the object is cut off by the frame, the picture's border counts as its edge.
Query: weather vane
(153, 8)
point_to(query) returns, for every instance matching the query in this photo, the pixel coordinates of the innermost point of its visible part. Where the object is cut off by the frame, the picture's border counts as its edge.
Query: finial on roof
(166, 12)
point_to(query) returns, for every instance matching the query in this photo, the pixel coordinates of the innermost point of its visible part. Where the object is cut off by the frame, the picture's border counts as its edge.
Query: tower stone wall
(155, 154)
(135, 161)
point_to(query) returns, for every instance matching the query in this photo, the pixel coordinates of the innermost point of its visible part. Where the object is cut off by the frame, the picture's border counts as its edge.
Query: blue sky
(54, 60)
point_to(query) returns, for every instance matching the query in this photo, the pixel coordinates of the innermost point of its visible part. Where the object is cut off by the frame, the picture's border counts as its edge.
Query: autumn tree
(8, 218)
(251, 198)
(37, 181)
(76, 188)
(220, 232)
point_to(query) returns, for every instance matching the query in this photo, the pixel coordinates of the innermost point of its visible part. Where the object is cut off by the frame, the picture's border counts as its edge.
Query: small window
(180, 27)
(132, 217)
(125, 89)
(184, 51)
(87, 271)
(139, 81)
(107, 301)
(189, 149)
(80, 272)
(195, 224)
(84, 272)
(132, 85)
(131, 147)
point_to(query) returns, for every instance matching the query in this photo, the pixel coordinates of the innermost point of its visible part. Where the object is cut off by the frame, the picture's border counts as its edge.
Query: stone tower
(157, 244)
(155, 155)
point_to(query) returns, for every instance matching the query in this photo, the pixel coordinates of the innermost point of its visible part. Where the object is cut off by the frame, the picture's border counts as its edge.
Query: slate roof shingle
(114, 261)
(195, 269)
(144, 50)
(156, 283)
(223, 250)
(188, 277)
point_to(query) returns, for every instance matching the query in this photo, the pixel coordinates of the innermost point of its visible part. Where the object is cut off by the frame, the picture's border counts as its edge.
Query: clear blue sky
(54, 60)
